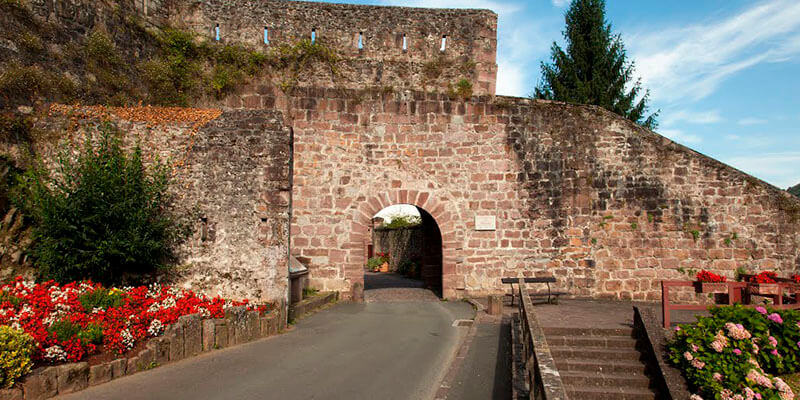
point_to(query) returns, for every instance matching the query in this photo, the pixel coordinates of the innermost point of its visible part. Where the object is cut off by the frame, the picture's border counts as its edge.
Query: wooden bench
(552, 297)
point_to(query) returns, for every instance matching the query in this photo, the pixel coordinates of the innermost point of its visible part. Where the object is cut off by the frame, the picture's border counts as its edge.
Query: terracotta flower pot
(711, 287)
(764, 288)
(385, 267)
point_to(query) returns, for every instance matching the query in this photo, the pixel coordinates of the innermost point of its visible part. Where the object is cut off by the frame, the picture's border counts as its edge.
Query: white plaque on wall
(485, 223)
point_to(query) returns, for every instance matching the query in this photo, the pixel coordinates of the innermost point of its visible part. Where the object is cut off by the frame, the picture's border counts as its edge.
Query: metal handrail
(542, 376)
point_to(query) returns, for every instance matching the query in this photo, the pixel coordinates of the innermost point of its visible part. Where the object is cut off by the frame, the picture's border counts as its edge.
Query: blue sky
(724, 73)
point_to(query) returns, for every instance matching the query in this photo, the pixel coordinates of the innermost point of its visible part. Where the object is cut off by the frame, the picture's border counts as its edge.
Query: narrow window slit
(405, 42)
(360, 40)
(266, 35)
(444, 43)
(216, 32)
(313, 35)
(204, 229)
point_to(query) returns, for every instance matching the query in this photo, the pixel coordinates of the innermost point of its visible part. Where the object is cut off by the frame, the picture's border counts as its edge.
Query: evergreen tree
(594, 69)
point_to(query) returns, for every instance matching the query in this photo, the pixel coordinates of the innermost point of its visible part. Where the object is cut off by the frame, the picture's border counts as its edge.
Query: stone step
(594, 353)
(623, 332)
(610, 393)
(596, 379)
(602, 366)
(616, 342)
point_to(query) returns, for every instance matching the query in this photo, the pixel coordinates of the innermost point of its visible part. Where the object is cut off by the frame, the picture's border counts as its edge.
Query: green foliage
(462, 89)
(21, 84)
(100, 298)
(294, 59)
(715, 344)
(15, 129)
(102, 217)
(403, 221)
(407, 267)
(64, 329)
(93, 333)
(795, 190)
(6, 297)
(374, 263)
(594, 69)
(16, 349)
(308, 292)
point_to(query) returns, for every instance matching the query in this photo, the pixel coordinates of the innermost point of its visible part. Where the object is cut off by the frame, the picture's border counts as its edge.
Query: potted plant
(384, 261)
(374, 264)
(765, 283)
(709, 282)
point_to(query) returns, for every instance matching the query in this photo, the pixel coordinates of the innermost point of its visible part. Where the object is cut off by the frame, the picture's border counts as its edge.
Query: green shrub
(374, 263)
(103, 216)
(738, 349)
(100, 298)
(407, 267)
(64, 329)
(16, 349)
(6, 297)
(93, 333)
(403, 221)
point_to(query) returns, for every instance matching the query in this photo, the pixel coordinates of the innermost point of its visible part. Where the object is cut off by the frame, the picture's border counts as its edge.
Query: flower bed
(735, 353)
(70, 322)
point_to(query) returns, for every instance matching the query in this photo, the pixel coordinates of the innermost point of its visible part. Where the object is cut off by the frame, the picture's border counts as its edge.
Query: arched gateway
(360, 237)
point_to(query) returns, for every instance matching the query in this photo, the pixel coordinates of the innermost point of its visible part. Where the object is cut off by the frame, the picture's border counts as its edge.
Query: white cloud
(779, 169)
(511, 78)
(561, 3)
(752, 121)
(692, 117)
(689, 62)
(680, 137)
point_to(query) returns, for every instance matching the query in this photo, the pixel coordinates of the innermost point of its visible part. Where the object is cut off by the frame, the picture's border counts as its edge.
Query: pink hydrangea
(737, 331)
(698, 364)
(774, 352)
(717, 376)
(762, 310)
(695, 397)
(773, 341)
(695, 348)
(759, 378)
(737, 352)
(718, 346)
(775, 317)
(688, 356)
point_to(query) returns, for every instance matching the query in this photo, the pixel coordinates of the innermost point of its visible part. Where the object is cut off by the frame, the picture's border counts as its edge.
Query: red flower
(706, 276)
(764, 277)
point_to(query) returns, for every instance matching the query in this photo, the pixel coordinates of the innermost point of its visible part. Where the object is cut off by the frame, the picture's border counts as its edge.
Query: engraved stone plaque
(485, 223)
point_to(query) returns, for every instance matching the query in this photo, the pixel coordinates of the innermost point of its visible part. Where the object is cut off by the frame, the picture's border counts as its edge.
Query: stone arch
(360, 234)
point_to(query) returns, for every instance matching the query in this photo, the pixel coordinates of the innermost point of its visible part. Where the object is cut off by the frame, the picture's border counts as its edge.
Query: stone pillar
(495, 305)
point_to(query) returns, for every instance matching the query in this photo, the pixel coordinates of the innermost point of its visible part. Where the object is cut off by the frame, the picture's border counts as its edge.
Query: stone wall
(605, 206)
(231, 177)
(471, 39)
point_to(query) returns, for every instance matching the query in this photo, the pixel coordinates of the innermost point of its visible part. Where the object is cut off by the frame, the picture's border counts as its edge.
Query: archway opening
(405, 251)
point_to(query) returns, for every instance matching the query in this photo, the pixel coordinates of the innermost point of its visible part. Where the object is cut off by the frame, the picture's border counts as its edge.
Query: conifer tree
(594, 68)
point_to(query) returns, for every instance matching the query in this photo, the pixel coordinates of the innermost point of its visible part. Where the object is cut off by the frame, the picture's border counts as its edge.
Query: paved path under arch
(349, 351)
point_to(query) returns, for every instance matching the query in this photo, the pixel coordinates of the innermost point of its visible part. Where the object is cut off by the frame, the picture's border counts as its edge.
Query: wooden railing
(541, 374)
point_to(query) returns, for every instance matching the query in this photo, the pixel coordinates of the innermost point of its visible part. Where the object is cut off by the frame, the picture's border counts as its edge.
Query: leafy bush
(102, 217)
(403, 221)
(7, 297)
(21, 84)
(736, 350)
(93, 333)
(374, 263)
(407, 267)
(16, 349)
(64, 330)
(100, 298)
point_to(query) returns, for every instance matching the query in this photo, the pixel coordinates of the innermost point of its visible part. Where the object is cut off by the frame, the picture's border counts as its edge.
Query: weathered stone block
(221, 331)
(118, 367)
(175, 333)
(100, 373)
(251, 326)
(11, 394)
(209, 334)
(160, 347)
(132, 366)
(73, 377)
(41, 383)
(192, 334)
(495, 305)
(237, 324)
(147, 359)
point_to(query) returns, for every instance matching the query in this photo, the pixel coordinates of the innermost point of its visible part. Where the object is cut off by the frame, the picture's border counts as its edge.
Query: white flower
(127, 338)
(155, 328)
(55, 353)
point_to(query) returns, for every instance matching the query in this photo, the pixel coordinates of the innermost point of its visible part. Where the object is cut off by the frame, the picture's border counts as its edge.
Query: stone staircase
(601, 364)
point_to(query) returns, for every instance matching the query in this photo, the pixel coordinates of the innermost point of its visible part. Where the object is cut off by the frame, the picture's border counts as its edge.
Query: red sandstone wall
(607, 207)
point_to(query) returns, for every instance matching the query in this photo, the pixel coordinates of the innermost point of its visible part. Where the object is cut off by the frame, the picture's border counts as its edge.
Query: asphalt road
(349, 351)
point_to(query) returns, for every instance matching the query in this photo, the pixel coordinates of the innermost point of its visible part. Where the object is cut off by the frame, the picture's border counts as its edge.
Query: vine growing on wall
(299, 58)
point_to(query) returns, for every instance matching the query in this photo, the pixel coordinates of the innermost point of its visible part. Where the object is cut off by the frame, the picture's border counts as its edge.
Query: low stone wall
(652, 337)
(188, 337)
(311, 304)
